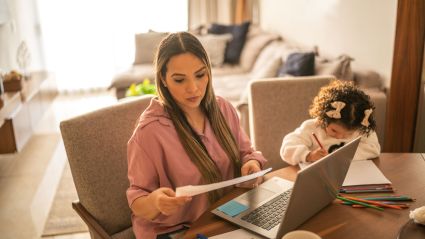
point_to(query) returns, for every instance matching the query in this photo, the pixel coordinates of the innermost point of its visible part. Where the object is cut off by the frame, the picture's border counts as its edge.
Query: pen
(317, 140)
(360, 203)
(373, 202)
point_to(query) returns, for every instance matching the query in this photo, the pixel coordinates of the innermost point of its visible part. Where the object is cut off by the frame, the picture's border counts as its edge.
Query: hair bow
(336, 114)
(365, 121)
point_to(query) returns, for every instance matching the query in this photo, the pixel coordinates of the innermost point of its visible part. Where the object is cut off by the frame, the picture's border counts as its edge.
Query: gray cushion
(146, 45)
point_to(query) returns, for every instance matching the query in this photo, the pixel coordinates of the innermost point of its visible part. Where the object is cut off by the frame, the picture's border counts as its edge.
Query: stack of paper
(365, 176)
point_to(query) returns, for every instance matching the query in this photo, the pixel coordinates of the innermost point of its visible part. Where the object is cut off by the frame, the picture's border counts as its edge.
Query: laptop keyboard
(269, 214)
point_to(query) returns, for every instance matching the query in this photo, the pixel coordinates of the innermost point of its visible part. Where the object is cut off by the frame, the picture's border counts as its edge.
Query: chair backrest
(277, 106)
(96, 146)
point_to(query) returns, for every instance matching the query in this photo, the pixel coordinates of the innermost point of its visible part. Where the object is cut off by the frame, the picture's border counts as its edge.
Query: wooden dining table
(406, 171)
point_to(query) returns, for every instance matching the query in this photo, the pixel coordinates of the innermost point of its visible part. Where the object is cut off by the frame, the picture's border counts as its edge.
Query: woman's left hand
(250, 167)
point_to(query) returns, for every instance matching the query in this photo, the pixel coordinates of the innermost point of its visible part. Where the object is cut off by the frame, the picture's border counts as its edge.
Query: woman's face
(338, 131)
(186, 80)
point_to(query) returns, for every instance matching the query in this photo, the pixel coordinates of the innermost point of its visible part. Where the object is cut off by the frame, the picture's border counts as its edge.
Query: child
(340, 113)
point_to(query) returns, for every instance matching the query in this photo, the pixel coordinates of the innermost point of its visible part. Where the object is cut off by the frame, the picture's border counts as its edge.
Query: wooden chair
(96, 146)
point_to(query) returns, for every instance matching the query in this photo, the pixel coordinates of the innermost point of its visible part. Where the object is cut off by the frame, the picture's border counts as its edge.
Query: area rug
(62, 217)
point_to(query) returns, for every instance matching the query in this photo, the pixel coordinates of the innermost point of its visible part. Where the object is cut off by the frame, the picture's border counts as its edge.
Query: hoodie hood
(154, 112)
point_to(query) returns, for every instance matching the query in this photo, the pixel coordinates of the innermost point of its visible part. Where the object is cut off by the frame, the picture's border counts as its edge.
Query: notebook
(278, 206)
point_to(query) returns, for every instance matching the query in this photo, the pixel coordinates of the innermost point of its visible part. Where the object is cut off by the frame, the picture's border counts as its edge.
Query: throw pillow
(298, 64)
(253, 46)
(339, 67)
(368, 79)
(215, 46)
(235, 46)
(146, 46)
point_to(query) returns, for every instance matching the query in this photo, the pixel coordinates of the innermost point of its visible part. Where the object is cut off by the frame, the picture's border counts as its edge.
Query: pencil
(389, 198)
(317, 140)
(360, 206)
(359, 203)
(373, 202)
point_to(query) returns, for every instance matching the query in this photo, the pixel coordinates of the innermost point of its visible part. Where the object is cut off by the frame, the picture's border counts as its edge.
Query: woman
(187, 136)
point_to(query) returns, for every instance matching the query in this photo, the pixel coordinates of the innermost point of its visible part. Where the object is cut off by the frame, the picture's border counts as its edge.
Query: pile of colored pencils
(377, 202)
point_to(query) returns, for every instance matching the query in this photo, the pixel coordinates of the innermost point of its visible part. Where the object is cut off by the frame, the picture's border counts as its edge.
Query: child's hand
(316, 155)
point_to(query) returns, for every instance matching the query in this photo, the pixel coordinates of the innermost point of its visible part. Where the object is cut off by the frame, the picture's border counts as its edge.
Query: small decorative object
(12, 81)
(23, 57)
(418, 215)
(143, 88)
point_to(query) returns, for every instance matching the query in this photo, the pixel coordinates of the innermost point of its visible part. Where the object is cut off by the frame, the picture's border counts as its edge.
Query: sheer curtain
(86, 42)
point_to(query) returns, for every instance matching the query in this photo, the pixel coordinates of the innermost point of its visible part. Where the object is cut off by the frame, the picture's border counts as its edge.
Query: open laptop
(278, 206)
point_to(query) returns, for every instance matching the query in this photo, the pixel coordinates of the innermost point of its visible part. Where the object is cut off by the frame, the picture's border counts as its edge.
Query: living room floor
(28, 186)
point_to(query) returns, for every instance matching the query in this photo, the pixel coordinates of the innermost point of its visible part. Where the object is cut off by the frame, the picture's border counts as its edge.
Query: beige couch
(229, 80)
(261, 57)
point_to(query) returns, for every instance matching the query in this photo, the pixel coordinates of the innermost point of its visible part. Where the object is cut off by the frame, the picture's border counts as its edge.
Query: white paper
(364, 172)
(191, 190)
(237, 234)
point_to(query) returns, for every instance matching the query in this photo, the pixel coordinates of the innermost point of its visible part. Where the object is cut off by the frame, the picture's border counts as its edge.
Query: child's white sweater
(298, 144)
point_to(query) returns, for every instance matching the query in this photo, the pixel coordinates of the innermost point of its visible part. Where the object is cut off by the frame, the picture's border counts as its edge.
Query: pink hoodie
(156, 158)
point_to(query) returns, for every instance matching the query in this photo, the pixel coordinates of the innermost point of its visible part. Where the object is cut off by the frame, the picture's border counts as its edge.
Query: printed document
(191, 190)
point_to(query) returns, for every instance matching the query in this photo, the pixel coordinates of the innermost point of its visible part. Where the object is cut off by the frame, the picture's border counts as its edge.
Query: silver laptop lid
(316, 186)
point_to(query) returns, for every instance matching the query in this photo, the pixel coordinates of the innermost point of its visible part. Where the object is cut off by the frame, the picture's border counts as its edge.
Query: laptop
(279, 206)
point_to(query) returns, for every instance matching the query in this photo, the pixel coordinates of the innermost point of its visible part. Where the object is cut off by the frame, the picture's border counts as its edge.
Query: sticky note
(232, 208)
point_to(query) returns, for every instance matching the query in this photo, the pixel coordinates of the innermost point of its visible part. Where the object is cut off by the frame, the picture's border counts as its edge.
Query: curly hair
(352, 114)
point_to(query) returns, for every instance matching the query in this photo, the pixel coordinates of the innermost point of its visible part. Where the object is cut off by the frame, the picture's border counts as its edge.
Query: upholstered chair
(276, 107)
(96, 147)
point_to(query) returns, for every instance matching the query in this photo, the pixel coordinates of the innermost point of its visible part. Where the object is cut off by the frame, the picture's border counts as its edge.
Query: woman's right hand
(166, 202)
(316, 155)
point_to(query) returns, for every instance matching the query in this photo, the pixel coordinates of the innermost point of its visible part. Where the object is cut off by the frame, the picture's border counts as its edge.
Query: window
(87, 42)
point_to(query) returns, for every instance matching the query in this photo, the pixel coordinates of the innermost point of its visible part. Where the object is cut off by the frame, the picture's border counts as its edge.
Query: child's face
(338, 131)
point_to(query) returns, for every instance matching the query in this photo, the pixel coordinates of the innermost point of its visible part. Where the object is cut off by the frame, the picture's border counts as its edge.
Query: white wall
(363, 29)
(23, 25)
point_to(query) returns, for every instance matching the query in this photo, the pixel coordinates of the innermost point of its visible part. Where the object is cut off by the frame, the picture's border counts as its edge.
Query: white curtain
(87, 42)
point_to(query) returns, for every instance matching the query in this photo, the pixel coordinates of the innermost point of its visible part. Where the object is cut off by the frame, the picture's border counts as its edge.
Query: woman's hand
(166, 202)
(316, 155)
(250, 167)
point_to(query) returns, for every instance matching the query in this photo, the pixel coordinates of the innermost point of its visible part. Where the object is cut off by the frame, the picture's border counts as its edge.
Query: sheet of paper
(364, 172)
(237, 234)
(195, 190)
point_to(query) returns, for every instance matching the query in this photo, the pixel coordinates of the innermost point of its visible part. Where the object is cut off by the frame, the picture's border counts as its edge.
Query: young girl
(340, 113)
(187, 136)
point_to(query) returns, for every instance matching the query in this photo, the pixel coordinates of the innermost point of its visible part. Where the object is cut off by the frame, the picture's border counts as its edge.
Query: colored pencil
(360, 203)
(360, 206)
(317, 140)
(389, 198)
(376, 203)
(403, 205)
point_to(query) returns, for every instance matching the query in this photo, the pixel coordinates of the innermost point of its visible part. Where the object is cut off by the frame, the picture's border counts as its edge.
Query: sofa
(263, 55)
